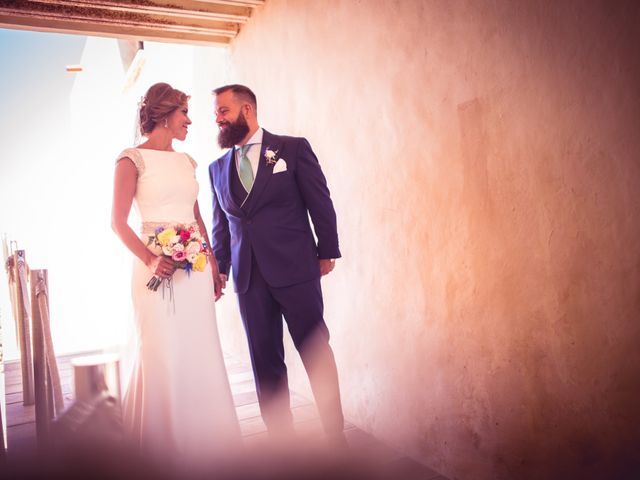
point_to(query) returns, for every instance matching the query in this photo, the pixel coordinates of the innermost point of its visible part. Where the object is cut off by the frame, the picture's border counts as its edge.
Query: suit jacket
(271, 224)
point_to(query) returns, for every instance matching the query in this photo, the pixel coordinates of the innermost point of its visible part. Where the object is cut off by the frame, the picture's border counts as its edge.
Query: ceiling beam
(192, 21)
(181, 12)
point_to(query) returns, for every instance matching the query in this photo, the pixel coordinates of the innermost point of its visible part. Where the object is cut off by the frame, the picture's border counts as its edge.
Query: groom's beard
(233, 132)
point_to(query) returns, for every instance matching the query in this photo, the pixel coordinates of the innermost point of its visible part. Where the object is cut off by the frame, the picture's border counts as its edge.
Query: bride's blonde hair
(157, 104)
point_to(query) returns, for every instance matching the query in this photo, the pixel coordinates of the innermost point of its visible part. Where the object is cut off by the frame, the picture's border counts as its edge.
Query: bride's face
(178, 122)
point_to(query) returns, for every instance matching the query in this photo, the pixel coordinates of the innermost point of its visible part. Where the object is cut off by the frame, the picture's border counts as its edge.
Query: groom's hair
(240, 91)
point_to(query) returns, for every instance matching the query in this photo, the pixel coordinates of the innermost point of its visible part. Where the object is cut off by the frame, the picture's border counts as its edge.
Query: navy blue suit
(265, 238)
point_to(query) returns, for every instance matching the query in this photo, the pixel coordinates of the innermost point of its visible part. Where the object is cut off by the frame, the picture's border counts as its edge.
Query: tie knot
(245, 148)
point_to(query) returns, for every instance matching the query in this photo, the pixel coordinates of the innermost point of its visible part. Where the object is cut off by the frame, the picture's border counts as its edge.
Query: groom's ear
(248, 109)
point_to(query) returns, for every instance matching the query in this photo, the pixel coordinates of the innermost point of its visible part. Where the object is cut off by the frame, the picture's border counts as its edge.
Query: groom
(265, 188)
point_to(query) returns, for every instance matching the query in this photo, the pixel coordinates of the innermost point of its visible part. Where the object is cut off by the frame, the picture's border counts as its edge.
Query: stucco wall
(483, 158)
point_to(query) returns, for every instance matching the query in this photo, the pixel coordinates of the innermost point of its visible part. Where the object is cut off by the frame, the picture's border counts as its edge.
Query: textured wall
(484, 162)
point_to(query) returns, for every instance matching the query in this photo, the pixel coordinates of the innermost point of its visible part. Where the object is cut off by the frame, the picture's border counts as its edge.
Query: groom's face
(231, 121)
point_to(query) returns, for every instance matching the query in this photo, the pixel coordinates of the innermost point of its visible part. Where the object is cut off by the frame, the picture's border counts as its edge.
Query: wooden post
(42, 386)
(3, 446)
(10, 267)
(40, 297)
(23, 324)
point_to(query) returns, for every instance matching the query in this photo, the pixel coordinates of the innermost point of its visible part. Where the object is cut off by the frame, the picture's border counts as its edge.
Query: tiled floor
(377, 456)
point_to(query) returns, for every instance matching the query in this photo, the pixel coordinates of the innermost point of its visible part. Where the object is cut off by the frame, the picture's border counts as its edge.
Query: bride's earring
(166, 124)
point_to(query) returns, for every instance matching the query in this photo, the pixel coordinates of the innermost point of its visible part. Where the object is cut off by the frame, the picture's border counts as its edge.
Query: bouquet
(184, 245)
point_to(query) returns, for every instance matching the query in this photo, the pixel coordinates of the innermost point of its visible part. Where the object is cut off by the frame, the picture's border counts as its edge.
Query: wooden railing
(29, 294)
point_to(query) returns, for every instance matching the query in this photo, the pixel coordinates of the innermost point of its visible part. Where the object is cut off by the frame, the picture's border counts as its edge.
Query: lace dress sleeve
(135, 156)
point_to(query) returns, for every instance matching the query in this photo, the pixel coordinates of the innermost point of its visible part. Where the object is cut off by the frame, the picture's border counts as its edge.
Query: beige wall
(483, 158)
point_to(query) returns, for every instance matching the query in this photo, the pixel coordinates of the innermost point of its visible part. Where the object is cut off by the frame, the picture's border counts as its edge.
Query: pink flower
(179, 256)
(185, 235)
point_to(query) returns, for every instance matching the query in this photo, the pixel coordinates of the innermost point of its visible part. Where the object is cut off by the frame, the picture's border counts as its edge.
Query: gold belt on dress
(149, 228)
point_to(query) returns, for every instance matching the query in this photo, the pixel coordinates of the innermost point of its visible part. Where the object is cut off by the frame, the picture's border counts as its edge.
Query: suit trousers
(262, 308)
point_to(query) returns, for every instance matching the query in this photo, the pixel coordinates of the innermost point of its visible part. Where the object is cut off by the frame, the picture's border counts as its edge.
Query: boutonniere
(270, 156)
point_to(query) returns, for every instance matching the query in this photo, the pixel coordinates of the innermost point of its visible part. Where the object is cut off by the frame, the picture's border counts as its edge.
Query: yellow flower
(200, 263)
(165, 236)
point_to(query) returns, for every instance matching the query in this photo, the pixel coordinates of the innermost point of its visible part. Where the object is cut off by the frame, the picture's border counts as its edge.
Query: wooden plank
(259, 440)
(174, 12)
(188, 21)
(18, 414)
(13, 388)
(304, 413)
(236, 367)
(244, 398)
(240, 377)
(242, 387)
(297, 399)
(21, 433)
(21, 441)
(16, 397)
(240, 3)
(13, 398)
(252, 426)
(83, 27)
(64, 364)
(250, 410)
(15, 378)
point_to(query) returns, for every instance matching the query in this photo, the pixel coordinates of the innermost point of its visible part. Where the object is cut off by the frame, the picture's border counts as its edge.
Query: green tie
(245, 170)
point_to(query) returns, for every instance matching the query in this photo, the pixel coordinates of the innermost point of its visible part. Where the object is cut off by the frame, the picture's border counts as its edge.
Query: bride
(178, 403)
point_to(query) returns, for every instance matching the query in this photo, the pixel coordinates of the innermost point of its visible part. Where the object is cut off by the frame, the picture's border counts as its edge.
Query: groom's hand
(326, 265)
(223, 280)
(217, 287)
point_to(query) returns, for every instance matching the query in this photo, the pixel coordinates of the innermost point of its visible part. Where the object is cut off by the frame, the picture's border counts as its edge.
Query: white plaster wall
(483, 161)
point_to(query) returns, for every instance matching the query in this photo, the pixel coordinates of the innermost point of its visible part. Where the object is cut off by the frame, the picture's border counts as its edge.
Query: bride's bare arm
(124, 189)
(217, 282)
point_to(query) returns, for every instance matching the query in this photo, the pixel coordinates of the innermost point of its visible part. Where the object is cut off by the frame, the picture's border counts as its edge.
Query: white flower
(155, 248)
(193, 247)
(192, 257)
(270, 156)
(178, 247)
(175, 240)
(167, 250)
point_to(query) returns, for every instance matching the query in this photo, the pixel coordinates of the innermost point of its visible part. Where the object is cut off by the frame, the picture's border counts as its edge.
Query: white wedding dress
(178, 403)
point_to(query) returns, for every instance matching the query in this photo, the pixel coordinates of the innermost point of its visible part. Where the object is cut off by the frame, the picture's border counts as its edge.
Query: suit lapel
(265, 171)
(228, 164)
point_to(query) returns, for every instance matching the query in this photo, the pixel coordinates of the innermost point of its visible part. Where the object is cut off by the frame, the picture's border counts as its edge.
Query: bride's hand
(161, 266)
